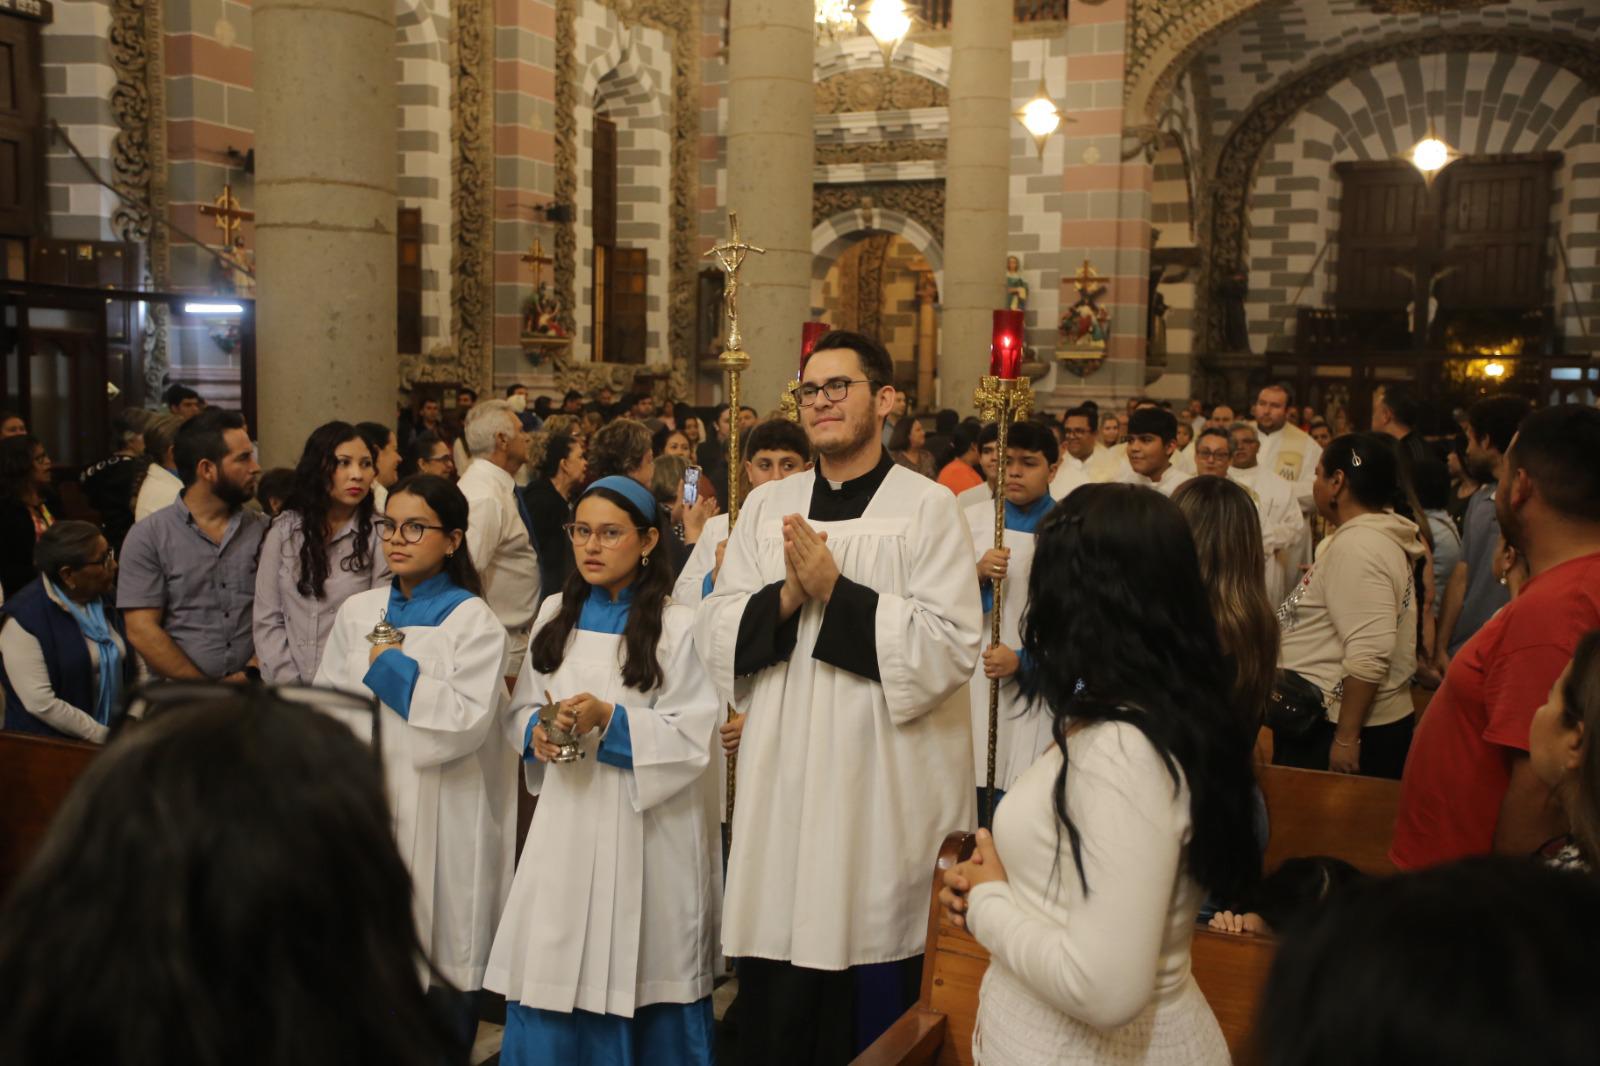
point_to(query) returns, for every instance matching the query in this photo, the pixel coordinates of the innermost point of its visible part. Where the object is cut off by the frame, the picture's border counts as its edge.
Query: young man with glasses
(846, 597)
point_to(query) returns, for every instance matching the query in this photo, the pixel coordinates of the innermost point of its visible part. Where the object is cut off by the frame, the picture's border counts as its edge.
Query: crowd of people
(544, 596)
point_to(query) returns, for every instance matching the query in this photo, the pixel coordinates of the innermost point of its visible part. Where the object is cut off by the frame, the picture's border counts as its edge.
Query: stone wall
(78, 80)
(422, 59)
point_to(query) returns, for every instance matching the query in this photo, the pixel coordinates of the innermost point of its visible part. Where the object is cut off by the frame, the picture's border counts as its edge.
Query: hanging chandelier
(888, 22)
(835, 18)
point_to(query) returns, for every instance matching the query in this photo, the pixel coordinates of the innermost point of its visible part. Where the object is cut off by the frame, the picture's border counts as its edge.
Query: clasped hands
(809, 572)
(963, 877)
(576, 715)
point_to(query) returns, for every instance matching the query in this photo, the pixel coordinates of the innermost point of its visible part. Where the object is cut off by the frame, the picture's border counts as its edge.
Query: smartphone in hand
(691, 486)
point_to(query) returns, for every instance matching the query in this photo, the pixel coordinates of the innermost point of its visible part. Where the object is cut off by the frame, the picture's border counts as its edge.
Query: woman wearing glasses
(304, 579)
(594, 967)
(449, 777)
(63, 654)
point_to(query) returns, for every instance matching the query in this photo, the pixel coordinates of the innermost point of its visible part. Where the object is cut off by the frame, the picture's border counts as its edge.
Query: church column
(325, 217)
(977, 193)
(770, 157)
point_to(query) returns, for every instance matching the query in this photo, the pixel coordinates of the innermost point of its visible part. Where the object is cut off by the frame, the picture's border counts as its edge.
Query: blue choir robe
(450, 780)
(596, 966)
(1023, 731)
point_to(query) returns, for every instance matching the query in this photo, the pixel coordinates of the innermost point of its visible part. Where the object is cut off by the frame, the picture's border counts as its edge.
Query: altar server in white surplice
(450, 779)
(1152, 442)
(606, 950)
(847, 596)
(1022, 728)
(774, 450)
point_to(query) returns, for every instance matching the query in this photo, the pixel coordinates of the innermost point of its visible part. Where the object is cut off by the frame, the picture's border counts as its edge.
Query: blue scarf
(430, 603)
(91, 618)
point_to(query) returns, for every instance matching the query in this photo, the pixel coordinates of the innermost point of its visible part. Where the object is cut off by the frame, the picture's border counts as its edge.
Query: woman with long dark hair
(442, 688)
(220, 886)
(321, 550)
(1350, 626)
(624, 845)
(24, 479)
(1227, 538)
(1087, 893)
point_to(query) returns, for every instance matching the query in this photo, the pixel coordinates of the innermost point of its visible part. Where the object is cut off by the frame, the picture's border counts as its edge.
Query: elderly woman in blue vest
(64, 659)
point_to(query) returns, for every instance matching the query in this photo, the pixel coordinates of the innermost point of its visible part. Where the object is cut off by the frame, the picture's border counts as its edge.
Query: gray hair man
(499, 529)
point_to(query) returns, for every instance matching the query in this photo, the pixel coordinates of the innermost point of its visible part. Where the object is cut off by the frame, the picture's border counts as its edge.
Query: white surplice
(847, 786)
(1285, 533)
(688, 592)
(1292, 455)
(1021, 732)
(451, 782)
(615, 904)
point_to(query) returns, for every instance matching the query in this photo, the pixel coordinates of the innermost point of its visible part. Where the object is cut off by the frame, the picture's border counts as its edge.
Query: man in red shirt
(1468, 788)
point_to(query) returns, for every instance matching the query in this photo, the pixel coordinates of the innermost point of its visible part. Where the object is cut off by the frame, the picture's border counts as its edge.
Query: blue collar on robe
(1027, 519)
(430, 603)
(602, 614)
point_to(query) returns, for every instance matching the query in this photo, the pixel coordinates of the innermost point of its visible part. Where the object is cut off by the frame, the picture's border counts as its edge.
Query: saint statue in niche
(1016, 285)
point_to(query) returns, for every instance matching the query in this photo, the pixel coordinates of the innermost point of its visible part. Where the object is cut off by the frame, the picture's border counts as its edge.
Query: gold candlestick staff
(1003, 396)
(734, 360)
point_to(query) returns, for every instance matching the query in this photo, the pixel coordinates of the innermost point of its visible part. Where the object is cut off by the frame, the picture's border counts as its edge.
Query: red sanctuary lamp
(1005, 348)
(810, 334)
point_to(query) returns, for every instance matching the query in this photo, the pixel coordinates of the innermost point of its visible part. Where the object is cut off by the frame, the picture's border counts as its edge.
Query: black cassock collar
(850, 499)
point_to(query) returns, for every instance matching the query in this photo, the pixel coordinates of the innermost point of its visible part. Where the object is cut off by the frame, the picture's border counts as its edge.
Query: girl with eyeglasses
(594, 967)
(451, 782)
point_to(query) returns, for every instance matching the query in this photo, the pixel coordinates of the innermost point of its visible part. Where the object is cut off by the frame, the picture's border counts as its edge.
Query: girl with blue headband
(594, 968)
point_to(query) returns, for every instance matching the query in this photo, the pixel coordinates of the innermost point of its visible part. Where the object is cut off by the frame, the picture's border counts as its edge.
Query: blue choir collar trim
(1027, 519)
(430, 603)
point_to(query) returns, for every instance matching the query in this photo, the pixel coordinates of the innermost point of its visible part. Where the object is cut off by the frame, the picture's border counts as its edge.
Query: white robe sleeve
(451, 715)
(928, 638)
(701, 562)
(333, 670)
(671, 738)
(716, 631)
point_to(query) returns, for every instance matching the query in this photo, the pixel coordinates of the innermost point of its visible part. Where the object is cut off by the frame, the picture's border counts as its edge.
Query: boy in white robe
(846, 596)
(1022, 731)
(1152, 442)
(773, 451)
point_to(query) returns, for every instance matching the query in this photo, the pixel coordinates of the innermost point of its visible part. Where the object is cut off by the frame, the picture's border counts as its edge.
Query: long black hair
(308, 498)
(221, 885)
(450, 505)
(1115, 568)
(641, 670)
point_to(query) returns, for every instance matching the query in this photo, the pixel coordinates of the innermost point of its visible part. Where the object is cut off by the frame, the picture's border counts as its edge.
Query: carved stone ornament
(471, 194)
(878, 90)
(679, 21)
(139, 159)
(443, 364)
(881, 152)
(921, 200)
(1163, 35)
(1223, 225)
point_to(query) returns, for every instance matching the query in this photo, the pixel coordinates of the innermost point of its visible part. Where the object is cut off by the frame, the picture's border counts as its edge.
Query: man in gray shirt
(188, 576)
(1474, 595)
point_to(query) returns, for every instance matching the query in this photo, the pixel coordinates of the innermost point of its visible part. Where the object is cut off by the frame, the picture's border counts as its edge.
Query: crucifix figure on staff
(730, 255)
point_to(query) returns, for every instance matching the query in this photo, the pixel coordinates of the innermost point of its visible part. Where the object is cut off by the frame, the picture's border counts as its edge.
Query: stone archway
(833, 235)
(1223, 222)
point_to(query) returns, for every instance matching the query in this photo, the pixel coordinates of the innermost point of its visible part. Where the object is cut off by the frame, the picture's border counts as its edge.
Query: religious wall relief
(920, 200)
(139, 159)
(878, 90)
(471, 197)
(881, 152)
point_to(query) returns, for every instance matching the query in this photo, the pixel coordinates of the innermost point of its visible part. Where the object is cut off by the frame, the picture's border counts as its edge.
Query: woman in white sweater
(1086, 895)
(1350, 626)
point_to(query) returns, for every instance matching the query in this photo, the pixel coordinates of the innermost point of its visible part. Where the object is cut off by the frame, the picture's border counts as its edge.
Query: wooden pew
(36, 773)
(1311, 813)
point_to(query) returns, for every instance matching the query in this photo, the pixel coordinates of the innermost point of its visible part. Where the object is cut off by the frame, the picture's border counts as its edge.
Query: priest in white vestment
(1152, 442)
(1083, 458)
(1286, 449)
(846, 595)
(1219, 453)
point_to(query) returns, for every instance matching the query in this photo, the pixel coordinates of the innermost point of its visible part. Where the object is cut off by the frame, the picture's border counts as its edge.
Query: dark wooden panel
(604, 183)
(1383, 213)
(38, 774)
(1496, 219)
(629, 301)
(21, 134)
(408, 234)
